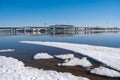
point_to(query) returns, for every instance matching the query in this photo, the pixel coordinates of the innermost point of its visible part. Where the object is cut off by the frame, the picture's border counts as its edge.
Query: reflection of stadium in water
(51, 33)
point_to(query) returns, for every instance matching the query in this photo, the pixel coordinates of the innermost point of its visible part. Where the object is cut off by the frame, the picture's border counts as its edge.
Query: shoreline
(51, 64)
(99, 53)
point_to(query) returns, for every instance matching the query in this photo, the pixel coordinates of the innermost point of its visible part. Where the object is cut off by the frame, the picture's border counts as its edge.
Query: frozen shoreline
(42, 56)
(76, 62)
(7, 50)
(103, 71)
(64, 56)
(12, 69)
(106, 55)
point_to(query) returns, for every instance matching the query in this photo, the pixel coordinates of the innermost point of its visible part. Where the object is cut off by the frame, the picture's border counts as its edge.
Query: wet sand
(51, 64)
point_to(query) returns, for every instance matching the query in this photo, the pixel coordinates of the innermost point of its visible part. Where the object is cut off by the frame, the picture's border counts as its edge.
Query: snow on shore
(65, 56)
(12, 69)
(105, 72)
(7, 50)
(42, 56)
(106, 55)
(76, 62)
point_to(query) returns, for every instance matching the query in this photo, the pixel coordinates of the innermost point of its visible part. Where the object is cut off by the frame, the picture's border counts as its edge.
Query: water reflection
(51, 33)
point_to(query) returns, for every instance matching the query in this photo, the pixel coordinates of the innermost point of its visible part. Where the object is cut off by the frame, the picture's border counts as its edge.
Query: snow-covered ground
(106, 55)
(65, 56)
(105, 72)
(7, 50)
(12, 69)
(42, 56)
(76, 62)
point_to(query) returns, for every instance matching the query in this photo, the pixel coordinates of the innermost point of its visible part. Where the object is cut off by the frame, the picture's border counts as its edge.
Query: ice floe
(106, 55)
(105, 72)
(65, 56)
(42, 56)
(7, 50)
(75, 62)
(12, 69)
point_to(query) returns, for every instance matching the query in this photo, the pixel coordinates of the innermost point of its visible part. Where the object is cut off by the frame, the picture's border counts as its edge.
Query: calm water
(8, 41)
(25, 52)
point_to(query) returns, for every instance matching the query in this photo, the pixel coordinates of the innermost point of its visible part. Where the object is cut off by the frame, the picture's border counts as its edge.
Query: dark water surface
(25, 52)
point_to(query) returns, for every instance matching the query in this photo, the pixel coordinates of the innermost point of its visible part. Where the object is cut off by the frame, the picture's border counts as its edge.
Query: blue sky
(76, 12)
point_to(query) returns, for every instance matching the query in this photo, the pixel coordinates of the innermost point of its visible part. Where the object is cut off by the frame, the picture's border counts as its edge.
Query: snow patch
(12, 69)
(65, 56)
(106, 55)
(7, 50)
(42, 56)
(75, 62)
(105, 72)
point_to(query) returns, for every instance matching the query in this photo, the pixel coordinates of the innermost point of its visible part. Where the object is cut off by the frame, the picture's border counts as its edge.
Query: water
(25, 52)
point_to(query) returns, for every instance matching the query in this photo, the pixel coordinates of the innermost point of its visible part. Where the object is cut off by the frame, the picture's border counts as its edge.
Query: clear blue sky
(76, 12)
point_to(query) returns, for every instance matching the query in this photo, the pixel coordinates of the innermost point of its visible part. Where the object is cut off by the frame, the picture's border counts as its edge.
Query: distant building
(61, 27)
